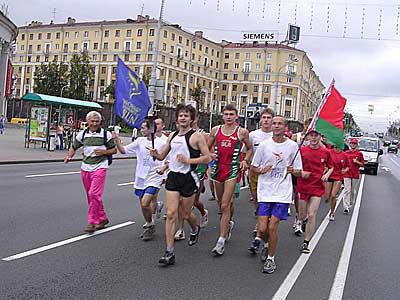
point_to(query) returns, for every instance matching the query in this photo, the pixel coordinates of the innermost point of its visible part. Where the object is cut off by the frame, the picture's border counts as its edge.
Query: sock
(271, 258)
(170, 249)
(194, 232)
(148, 224)
(221, 240)
(306, 242)
(266, 245)
(258, 238)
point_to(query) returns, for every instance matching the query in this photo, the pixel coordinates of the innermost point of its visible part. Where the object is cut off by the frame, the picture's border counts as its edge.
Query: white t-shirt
(258, 136)
(146, 167)
(275, 186)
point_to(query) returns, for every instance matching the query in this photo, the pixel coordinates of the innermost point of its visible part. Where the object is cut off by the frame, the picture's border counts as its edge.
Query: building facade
(8, 33)
(191, 68)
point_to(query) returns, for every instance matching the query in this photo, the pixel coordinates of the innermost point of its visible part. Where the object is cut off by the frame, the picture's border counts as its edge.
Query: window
(149, 57)
(237, 55)
(269, 56)
(245, 88)
(102, 82)
(288, 102)
(287, 114)
(226, 66)
(236, 66)
(86, 34)
(266, 100)
(235, 76)
(39, 47)
(39, 36)
(292, 57)
(151, 32)
(257, 66)
(266, 89)
(234, 87)
(246, 77)
(29, 58)
(115, 57)
(126, 57)
(103, 70)
(104, 57)
(173, 36)
(85, 46)
(165, 34)
(163, 59)
(255, 88)
(268, 68)
(31, 36)
(171, 61)
(172, 49)
(224, 86)
(206, 49)
(138, 45)
(290, 79)
(217, 54)
(95, 46)
(200, 47)
(48, 36)
(164, 47)
(106, 33)
(116, 45)
(65, 48)
(75, 46)
(212, 52)
(257, 77)
(137, 57)
(225, 76)
(127, 46)
(37, 58)
(194, 45)
(65, 58)
(227, 55)
(267, 77)
(23, 37)
(28, 69)
(289, 91)
(76, 35)
(187, 42)
(150, 48)
(117, 33)
(193, 56)
(223, 98)
(105, 46)
(94, 57)
(128, 33)
(255, 99)
(57, 46)
(248, 55)
(246, 67)
(96, 34)
(258, 55)
(67, 34)
(139, 32)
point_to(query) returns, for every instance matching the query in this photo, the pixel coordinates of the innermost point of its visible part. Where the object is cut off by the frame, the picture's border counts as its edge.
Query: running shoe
(194, 237)
(264, 253)
(255, 246)
(160, 206)
(204, 219)
(90, 228)
(303, 225)
(147, 225)
(102, 224)
(148, 233)
(218, 249)
(295, 223)
(346, 211)
(332, 217)
(212, 198)
(297, 230)
(179, 235)
(269, 266)
(230, 227)
(167, 259)
(305, 249)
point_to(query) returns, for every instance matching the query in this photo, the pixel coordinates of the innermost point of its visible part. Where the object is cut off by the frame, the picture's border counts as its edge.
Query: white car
(371, 149)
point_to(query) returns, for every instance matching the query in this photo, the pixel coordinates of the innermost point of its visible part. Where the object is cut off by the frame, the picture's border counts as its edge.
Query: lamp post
(288, 63)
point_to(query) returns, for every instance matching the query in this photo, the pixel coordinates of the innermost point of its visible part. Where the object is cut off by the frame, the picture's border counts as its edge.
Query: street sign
(293, 33)
(260, 36)
(370, 108)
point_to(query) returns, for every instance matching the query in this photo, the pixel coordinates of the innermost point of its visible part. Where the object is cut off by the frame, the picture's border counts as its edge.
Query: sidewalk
(12, 149)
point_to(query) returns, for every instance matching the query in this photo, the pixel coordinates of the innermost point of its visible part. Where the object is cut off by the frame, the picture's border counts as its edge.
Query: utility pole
(153, 79)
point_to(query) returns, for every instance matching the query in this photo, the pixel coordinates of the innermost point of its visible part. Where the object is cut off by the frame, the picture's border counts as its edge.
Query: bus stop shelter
(46, 110)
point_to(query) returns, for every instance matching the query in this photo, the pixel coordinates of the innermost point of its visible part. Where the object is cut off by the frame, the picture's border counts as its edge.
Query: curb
(33, 161)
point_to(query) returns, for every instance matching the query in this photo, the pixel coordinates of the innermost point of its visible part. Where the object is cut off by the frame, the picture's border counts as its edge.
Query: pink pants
(94, 186)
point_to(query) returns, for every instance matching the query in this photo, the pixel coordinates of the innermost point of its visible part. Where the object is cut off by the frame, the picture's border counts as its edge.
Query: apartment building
(249, 75)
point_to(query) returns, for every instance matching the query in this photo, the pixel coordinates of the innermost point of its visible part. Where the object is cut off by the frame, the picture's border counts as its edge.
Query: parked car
(386, 143)
(371, 150)
(395, 142)
(393, 147)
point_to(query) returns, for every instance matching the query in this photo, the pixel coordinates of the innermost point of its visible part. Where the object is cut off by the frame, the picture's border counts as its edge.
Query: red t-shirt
(314, 161)
(339, 162)
(354, 171)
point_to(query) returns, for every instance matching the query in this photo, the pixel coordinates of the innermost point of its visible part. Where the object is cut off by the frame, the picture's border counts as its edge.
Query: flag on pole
(132, 102)
(328, 120)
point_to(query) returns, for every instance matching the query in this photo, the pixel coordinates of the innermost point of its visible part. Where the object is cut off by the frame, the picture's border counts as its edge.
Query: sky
(356, 42)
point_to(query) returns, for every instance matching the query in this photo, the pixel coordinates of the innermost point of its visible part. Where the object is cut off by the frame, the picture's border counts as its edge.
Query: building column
(187, 87)
(212, 96)
(260, 93)
(3, 76)
(109, 74)
(96, 82)
(229, 98)
(166, 85)
(298, 100)
(22, 84)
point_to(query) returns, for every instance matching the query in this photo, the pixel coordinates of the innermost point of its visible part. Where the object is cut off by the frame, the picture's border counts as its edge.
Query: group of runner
(185, 159)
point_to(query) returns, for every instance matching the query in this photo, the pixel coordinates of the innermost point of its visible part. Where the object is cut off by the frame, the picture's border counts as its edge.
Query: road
(38, 211)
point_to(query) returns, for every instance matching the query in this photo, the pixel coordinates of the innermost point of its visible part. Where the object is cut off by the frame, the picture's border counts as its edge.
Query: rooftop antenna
(142, 9)
(54, 14)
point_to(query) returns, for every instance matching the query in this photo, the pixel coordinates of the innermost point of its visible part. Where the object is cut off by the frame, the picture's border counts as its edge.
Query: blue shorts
(149, 190)
(276, 209)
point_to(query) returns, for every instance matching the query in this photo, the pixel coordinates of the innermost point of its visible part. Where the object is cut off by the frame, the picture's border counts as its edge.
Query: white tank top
(179, 146)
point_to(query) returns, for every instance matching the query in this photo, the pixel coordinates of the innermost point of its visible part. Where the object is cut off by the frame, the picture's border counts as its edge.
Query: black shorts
(186, 184)
(331, 180)
(294, 180)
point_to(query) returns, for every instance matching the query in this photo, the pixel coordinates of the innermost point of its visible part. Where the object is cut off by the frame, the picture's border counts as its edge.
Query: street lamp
(288, 63)
(212, 107)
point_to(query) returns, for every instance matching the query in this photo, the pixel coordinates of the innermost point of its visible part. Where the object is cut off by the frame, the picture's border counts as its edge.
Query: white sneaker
(204, 219)
(332, 218)
(295, 223)
(230, 227)
(218, 249)
(179, 235)
(297, 230)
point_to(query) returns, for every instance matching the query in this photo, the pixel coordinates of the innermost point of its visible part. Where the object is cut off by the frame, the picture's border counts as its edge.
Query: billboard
(260, 36)
(38, 123)
(293, 33)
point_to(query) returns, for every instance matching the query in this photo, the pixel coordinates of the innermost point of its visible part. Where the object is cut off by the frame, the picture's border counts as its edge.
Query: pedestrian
(275, 160)
(60, 135)
(228, 139)
(340, 165)
(148, 173)
(317, 168)
(186, 148)
(2, 124)
(98, 145)
(352, 177)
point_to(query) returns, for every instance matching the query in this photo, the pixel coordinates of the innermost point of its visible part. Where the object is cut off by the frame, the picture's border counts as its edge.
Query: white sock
(221, 240)
(271, 258)
(258, 238)
(266, 245)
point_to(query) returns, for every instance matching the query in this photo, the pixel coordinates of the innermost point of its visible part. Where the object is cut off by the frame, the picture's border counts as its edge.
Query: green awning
(59, 101)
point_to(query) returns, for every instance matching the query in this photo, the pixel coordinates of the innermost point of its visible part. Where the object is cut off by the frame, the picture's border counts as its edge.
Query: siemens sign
(265, 36)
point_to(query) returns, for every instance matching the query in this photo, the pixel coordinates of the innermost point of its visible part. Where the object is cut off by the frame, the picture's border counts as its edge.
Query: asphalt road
(40, 211)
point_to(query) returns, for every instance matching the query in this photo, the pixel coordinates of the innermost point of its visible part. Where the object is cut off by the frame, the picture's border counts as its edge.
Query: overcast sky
(366, 70)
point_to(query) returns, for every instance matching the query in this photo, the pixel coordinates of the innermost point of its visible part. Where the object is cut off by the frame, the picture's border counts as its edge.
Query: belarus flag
(328, 120)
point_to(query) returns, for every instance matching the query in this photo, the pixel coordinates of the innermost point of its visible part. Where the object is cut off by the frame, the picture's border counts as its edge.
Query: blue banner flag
(132, 102)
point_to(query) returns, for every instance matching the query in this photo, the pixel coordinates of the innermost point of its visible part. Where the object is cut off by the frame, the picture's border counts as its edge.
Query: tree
(110, 90)
(196, 94)
(50, 78)
(80, 75)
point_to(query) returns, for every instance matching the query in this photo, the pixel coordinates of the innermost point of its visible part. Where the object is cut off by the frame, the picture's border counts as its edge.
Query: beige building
(248, 75)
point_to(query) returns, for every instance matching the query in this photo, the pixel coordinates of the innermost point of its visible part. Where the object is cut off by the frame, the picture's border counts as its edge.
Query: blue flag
(132, 102)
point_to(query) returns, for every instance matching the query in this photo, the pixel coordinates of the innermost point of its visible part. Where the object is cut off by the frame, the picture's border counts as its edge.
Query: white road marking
(52, 174)
(343, 267)
(65, 242)
(294, 273)
(244, 187)
(126, 183)
(385, 169)
(394, 162)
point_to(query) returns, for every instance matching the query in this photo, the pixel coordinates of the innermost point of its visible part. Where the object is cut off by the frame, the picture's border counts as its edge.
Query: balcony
(127, 50)
(246, 71)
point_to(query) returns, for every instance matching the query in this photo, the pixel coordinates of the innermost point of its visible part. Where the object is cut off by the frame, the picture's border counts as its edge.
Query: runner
(316, 170)
(340, 165)
(98, 145)
(201, 174)
(148, 177)
(187, 149)
(272, 162)
(356, 160)
(228, 140)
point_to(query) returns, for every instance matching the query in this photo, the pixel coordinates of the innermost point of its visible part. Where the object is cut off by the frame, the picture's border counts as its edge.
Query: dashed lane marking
(65, 242)
(52, 174)
(126, 183)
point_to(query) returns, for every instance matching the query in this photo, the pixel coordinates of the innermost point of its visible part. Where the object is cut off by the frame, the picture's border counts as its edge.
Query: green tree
(197, 94)
(80, 75)
(110, 90)
(50, 78)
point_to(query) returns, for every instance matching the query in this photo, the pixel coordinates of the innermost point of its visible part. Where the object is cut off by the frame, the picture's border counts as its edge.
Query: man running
(316, 170)
(274, 161)
(352, 177)
(186, 149)
(148, 177)
(228, 140)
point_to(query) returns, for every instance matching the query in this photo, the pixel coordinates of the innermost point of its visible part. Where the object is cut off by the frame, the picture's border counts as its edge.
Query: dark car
(393, 148)
(386, 143)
